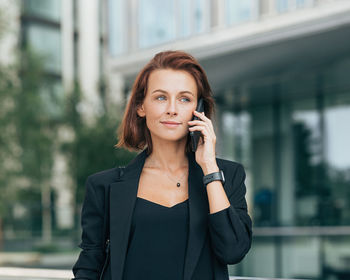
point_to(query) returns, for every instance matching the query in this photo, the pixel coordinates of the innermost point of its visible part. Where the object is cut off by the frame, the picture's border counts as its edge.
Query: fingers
(203, 127)
(204, 121)
(204, 118)
(200, 128)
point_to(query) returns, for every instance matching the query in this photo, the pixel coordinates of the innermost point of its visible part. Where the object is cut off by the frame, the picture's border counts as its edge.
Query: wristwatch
(215, 176)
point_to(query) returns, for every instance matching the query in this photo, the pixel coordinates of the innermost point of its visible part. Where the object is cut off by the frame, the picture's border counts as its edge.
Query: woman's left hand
(205, 153)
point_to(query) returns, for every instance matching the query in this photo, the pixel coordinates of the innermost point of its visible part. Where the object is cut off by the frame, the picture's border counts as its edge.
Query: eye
(188, 100)
(159, 97)
(162, 96)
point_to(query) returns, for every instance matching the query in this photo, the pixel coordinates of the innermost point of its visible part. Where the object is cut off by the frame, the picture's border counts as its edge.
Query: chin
(174, 137)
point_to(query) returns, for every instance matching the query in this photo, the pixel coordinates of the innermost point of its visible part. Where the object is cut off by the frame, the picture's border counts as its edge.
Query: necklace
(177, 182)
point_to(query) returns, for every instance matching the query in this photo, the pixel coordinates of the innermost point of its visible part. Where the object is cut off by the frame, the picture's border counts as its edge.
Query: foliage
(28, 135)
(92, 148)
(29, 125)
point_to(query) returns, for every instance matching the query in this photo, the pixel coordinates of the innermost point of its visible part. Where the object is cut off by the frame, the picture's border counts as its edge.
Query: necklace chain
(177, 182)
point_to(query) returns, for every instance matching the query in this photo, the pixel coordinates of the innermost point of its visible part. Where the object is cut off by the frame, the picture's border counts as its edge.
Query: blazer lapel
(122, 201)
(123, 194)
(198, 215)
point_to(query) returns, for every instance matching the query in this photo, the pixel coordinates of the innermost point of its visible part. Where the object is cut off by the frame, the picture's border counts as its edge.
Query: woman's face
(171, 97)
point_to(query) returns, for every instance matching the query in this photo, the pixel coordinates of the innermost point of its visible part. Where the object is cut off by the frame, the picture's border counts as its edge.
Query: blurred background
(279, 70)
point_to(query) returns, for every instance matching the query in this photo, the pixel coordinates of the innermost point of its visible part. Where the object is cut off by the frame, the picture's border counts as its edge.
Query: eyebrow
(164, 91)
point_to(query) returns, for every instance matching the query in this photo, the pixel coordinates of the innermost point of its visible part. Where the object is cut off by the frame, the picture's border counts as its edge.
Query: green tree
(28, 133)
(28, 138)
(92, 148)
(8, 149)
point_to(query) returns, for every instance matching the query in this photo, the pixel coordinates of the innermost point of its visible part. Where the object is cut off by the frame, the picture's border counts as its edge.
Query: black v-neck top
(158, 241)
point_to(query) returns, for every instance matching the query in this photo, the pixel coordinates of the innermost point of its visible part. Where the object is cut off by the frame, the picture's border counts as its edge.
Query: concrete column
(287, 192)
(88, 58)
(67, 31)
(62, 184)
(10, 13)
(115, 93)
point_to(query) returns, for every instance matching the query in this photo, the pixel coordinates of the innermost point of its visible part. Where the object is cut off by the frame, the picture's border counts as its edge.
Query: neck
(167, 157)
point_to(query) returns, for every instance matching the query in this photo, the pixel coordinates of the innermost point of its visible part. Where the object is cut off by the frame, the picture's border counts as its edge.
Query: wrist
(210, 168)
(215, 176)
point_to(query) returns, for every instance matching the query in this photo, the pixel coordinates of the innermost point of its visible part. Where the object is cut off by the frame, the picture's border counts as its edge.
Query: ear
(141, 111)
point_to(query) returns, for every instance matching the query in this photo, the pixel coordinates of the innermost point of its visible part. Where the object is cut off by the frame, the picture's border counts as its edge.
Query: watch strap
(215, 176)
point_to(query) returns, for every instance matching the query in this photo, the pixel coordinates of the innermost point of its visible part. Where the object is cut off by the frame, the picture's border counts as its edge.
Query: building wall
(297, 158)
(88, 56)
(68, 34)
(277, 69)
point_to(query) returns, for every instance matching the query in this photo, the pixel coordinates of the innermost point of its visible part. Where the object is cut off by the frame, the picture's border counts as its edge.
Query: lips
(170, 122)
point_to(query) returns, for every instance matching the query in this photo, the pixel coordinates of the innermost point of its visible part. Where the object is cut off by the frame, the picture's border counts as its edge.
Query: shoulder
(97, 184)
(103, 177)
(229, 165)
(234, 174)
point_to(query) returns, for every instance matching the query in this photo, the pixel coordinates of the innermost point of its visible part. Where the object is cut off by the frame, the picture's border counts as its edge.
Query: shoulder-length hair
(133, 133)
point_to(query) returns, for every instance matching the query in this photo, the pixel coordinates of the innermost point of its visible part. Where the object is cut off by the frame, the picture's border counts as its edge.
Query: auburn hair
(133, 133)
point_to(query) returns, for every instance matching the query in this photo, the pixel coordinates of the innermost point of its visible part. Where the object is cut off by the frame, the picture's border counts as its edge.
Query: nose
(172, 109)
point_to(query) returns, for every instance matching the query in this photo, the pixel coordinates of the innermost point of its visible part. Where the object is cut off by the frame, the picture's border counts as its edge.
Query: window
(157, 23)
(46, 41)
(184, 18)
(240, 10)
(282, 6)
(50, 9)
(337, 119)
(116, 24)
(51, 93)
(200, 19)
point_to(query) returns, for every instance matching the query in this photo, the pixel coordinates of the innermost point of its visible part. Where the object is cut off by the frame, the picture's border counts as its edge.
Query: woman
(165, 222)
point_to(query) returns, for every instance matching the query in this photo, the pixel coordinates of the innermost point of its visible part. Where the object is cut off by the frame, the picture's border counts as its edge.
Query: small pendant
(178, 184)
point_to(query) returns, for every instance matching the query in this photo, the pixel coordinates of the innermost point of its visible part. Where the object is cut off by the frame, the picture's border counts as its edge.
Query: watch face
(223, 177)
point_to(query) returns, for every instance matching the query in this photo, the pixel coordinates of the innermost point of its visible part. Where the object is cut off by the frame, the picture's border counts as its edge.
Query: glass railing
(286, 252)
(299, 252)
(52, 274)
(32, 273)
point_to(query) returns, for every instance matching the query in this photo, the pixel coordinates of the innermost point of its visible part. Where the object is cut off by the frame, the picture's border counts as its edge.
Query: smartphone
(195, 135)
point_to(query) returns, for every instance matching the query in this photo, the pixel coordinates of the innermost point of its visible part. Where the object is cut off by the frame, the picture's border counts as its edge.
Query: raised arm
(231, 228)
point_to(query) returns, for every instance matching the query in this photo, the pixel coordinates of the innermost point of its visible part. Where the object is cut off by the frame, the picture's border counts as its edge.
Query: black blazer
(220, 238)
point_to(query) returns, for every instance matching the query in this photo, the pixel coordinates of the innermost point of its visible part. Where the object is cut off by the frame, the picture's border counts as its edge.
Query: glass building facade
(54, 61)
(292, 137)
(41, 33)
(141, 24)
(290, 131)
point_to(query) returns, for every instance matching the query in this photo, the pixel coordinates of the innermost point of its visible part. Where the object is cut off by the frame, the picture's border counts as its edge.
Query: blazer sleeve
(91, 258)
(231, 228)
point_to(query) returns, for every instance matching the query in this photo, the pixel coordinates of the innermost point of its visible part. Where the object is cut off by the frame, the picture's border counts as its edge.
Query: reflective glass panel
(50, 9)
(52, 97)
(337, 150)
(239, 10)
(157, 23)
(282, 5)
(199, 16)
(184, 17)
(307, 138)
(47, 41)
(117, 28)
